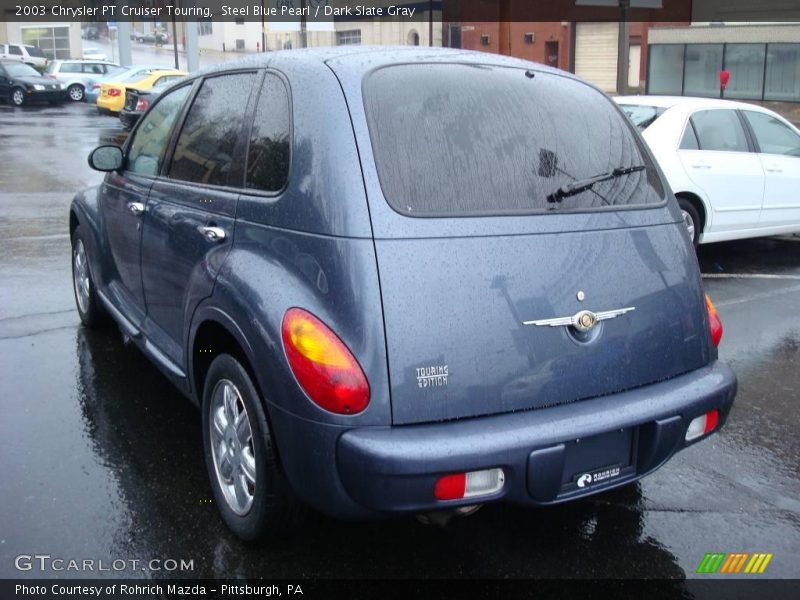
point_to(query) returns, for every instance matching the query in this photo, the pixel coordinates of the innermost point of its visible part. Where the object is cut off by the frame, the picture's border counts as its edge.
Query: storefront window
(666, 69)
(703, 64)
(746, 65)
(783, 72)
(53, 41)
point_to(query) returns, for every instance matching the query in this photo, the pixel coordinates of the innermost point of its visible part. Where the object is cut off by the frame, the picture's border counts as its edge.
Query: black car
(137, 102)
(21, 84)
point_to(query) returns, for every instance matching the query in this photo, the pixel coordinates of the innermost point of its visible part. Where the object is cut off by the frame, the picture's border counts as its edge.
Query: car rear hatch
(475, 262)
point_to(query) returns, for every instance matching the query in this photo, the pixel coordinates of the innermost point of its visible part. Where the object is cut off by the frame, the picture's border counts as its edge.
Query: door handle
(774, 170)
(211, 233)
(701, 166)
(137, 208)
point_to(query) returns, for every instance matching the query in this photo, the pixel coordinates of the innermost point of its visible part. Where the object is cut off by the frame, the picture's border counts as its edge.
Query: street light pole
(623, 47)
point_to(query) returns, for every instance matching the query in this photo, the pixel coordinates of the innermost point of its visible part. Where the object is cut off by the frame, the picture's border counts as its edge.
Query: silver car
(76, 74)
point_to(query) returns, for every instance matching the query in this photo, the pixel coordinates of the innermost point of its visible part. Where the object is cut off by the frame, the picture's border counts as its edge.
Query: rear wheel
(690, 219)
(17, 96)
(249, 487)
(75, 92)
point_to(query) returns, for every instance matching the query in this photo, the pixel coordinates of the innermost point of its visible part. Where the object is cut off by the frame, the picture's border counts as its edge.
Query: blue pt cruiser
(403, 280)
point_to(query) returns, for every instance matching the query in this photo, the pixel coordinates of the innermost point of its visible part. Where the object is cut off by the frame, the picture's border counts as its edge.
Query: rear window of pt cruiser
(468, 140)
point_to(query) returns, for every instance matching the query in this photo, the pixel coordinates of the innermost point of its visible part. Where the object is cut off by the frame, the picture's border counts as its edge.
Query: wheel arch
(214, 332)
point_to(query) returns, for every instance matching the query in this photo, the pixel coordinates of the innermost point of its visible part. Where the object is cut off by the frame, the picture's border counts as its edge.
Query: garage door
(596, 54)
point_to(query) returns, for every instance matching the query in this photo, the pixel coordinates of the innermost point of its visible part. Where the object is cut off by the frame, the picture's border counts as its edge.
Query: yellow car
(112, 95)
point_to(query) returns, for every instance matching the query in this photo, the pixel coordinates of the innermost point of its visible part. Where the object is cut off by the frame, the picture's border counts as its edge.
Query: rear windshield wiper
(581, 185)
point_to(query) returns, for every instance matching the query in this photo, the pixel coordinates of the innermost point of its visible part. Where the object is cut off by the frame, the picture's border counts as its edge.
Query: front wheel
(690, 219)
(249, 487)
(90, 311)
(17, 97)
(75, 92)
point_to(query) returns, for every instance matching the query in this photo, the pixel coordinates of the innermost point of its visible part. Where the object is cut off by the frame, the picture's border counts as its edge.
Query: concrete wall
(718, 34)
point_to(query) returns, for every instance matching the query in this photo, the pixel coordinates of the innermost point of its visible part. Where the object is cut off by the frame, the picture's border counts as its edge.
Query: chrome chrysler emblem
(583, 320)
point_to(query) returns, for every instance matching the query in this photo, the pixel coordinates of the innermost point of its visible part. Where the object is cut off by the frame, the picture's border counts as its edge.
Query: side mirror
(106, 158)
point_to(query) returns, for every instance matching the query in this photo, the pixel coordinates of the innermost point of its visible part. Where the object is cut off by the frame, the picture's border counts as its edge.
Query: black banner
(405, 589)
(448, 11)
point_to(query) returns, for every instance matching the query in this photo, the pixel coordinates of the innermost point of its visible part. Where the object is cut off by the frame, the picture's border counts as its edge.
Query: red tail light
(714, 322)
(450, 487)
(324, 367)
(114, 92)
(141, 105)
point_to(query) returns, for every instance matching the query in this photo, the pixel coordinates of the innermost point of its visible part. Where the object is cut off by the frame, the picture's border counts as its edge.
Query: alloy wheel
(80, 276)
(232, 447)
(689, 222)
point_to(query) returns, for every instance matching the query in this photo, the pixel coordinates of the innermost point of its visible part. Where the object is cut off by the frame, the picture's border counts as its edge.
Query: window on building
(268, 155)
(529, 38)
(665, 69)
(485, 39)
(746, 64)
(783, 73)
(239, 44)
(351, 37)
(52, 41)
(772, 135)
(703, 64)
(205, 27)
(205, 149)
(719, 130)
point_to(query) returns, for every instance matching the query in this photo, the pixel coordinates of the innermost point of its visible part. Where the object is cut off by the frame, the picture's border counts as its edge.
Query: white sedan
(734, 167)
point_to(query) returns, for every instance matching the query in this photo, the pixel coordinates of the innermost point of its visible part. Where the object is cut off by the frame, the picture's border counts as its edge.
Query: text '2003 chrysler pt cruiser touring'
(402, 281)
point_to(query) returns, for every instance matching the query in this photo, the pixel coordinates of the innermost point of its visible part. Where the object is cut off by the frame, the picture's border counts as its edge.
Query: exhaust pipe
(442, 517)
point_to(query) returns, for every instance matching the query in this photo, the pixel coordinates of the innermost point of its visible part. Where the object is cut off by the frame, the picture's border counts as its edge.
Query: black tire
(690, 212)
(273, 508)
(75, 92)
(91, 311)
(17, 96)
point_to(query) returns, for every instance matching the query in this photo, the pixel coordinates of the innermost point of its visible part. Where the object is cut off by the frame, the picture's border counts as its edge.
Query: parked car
(91, 53)
(112, 95)
(464, 281)
(158, 37)
(138, 101)
(734, 166)
(21, 84)
(123, 74)
(76, 74)
(30, 55)
(90, 33)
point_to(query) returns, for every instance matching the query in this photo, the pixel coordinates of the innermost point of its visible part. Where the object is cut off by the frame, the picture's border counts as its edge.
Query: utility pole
(430, 22)
(175, 41)
(303, 24)
(623, 47)
(504, 37)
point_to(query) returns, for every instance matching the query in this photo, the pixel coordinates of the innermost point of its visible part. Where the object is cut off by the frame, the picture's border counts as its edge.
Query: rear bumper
(111, 103)
(129, 118)
(393, 469)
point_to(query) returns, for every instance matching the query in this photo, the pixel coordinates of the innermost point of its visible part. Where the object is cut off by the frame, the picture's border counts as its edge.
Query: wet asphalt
(100, 458)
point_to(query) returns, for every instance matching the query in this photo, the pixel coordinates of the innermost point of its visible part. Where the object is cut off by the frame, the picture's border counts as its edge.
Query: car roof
(686, 101)
(366, 58)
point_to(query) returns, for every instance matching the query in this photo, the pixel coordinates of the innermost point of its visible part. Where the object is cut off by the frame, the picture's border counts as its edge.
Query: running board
(128, 328)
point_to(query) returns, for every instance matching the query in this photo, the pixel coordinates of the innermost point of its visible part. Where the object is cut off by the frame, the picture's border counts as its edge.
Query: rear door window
(773, 136)
(268, 153)
(465, 139)
(206, 146)
(689, 140)
(15, 50)
(719, 130)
